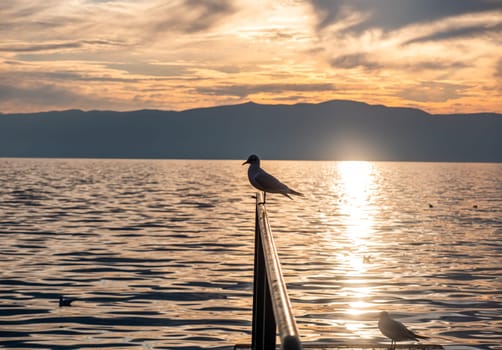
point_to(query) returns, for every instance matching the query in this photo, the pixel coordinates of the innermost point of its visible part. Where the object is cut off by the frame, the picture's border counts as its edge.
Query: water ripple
(159, 254)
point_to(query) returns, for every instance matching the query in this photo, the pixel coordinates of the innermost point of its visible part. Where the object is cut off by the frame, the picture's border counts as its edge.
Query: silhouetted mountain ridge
(335, 129)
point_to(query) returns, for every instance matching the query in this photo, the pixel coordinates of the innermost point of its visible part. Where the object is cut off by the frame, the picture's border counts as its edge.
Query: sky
(442, 56)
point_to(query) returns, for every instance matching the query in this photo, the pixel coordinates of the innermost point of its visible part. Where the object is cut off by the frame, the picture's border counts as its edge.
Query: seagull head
(383, 314)
(252, 159)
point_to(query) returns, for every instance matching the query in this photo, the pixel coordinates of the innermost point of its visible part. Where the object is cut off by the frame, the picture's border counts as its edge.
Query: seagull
(265, 182)
(395, 330)
(65, 302)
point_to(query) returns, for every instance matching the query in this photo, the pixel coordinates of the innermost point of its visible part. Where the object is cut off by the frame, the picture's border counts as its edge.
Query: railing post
(272, 311)
(264, 327)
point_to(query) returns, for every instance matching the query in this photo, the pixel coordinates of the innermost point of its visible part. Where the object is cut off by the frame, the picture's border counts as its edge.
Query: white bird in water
(395, 330)
(265, 182)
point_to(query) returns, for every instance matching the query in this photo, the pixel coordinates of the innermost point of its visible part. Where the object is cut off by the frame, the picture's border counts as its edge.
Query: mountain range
(333, 130)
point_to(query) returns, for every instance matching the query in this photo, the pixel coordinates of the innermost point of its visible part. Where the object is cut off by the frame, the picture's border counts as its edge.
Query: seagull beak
(246, 162)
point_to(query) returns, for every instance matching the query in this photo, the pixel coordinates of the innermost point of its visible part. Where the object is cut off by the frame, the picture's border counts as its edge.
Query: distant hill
(337, 130)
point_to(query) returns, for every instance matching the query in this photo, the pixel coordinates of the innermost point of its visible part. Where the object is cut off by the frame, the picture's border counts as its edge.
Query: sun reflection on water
(356, 184)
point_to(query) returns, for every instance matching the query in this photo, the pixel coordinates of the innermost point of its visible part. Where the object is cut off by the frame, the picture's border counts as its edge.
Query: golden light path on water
(356, 184)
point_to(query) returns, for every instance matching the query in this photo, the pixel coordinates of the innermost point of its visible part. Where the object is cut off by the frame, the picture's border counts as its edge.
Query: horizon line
(250, 102)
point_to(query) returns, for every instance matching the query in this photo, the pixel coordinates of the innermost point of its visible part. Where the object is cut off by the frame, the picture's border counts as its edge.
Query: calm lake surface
(159, 253)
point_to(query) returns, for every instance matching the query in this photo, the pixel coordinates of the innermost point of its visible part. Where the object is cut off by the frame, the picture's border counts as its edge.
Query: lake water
(159, 253)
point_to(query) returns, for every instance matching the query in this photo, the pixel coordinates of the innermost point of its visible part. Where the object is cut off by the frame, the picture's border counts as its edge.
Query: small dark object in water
(431, 206)
(366, 259)
(65, 302)
(475, 206)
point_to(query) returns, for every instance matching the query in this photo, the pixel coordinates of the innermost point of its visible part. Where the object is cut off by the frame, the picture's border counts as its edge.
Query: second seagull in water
(265, 182)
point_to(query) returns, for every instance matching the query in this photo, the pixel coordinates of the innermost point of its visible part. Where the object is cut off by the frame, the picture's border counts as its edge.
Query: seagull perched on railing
(395, 330)
(265, 182)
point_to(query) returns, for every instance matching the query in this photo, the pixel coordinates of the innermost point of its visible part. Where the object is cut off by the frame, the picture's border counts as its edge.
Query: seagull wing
(399, 331)
(403, 331)
(268, 183)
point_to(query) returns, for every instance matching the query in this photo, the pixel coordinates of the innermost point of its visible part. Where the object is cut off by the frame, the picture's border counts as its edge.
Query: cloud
(188, 16)
(57, 46)
(498, 76)
(140, 23)
(245, 90)
(456, 33)
(368, 38)
(355, 61)
(149, 69)
(373, 62)
(498, 69)
(31, 17)
(103, 75)
(46, 95)
(72, 76)
(26, 8)
(435, 65)
(431, 91)
(390, 15)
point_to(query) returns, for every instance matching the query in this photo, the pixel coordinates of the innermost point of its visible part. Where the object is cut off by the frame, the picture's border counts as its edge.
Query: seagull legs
(264, 198)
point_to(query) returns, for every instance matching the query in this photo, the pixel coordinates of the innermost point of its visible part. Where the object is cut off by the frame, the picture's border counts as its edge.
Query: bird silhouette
(395, 330)
(65, 301)
(265, 182)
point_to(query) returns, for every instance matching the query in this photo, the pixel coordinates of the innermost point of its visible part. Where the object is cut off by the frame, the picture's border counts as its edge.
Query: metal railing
(272, 310)
(271, 306)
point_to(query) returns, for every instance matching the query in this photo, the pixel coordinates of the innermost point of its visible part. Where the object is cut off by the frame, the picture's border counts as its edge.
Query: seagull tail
(287, 195)
(421, 336)
(295, 193)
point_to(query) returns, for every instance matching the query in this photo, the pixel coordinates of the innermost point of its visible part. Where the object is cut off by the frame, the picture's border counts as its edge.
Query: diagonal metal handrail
(271, 306)
(272, 309)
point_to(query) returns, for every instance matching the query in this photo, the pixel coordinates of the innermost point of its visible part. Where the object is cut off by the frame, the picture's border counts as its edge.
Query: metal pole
(264, 327)
(271, 306)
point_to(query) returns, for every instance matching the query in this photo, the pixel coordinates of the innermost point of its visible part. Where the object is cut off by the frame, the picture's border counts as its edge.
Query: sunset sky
(442, 56)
